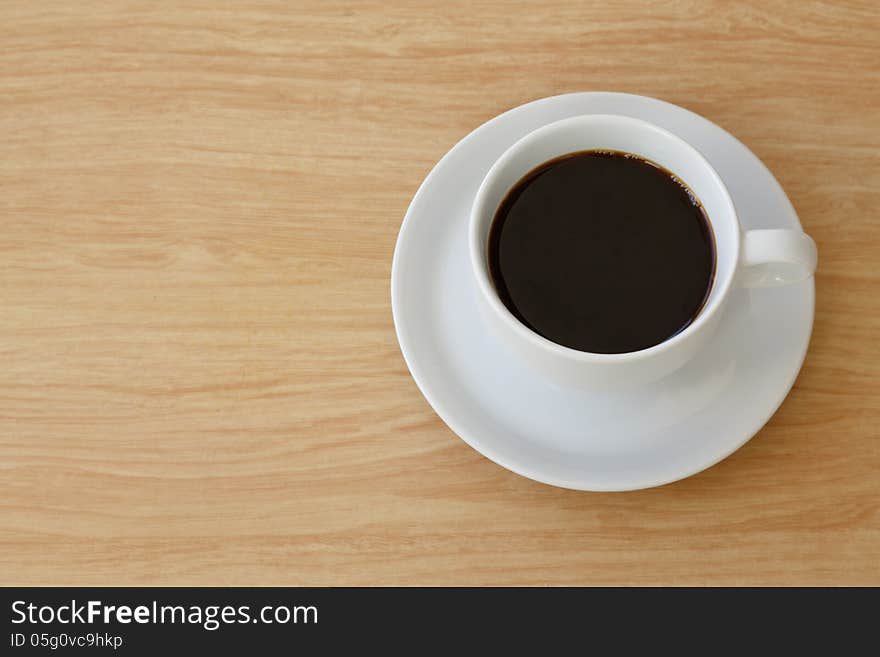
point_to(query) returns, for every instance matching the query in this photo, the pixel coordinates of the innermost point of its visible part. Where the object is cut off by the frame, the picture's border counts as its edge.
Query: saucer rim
(487, 451)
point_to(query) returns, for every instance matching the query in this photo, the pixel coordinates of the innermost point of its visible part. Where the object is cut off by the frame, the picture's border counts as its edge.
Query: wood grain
(200, 382)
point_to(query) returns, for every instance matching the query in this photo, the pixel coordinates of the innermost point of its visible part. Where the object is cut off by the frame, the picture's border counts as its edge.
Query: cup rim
(710, 308)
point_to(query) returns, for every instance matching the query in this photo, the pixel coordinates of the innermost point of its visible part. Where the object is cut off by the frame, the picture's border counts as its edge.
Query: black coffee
(602, 252)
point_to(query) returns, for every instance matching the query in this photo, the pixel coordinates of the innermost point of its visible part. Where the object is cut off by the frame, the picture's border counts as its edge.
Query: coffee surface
(602, 252)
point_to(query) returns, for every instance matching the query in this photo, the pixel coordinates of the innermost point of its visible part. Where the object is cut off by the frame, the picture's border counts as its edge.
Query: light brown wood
(200, 382)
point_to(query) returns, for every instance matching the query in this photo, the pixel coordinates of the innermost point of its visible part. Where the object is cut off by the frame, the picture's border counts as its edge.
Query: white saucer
(565, 437)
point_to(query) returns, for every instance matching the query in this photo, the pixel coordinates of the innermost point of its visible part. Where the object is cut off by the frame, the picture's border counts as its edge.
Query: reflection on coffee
(602, 252)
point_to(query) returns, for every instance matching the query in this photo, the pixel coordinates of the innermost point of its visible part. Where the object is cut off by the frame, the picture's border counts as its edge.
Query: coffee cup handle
(774, 257)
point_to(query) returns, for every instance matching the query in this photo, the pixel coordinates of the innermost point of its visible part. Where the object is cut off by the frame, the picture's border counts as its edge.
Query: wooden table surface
(200, 381)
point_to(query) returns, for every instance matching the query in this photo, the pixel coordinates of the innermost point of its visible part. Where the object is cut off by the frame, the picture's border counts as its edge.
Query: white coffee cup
(756, 258)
